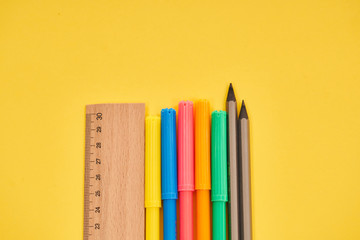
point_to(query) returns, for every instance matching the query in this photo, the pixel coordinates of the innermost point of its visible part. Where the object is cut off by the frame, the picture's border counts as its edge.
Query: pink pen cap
(186, 173)
(186, 147)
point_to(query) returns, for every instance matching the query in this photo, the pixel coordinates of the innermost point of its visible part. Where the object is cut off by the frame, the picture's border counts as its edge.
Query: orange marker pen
(202, 169)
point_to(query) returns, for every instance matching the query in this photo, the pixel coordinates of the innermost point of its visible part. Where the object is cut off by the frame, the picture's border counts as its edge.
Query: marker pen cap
(185, 146)
(202, 145)
(219, 189)
(152, 162)
(168, 154)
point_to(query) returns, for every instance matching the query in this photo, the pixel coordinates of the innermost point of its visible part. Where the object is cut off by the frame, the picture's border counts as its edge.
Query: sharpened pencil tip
(231, 94)
(243, 112)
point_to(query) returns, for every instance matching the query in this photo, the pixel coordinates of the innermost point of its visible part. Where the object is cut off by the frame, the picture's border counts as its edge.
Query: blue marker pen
(169, 191)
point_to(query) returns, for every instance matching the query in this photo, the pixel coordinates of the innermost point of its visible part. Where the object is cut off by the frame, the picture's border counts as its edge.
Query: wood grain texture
(114, 172)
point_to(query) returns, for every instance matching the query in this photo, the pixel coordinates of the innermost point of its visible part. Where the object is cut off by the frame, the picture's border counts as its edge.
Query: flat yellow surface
(296, 63)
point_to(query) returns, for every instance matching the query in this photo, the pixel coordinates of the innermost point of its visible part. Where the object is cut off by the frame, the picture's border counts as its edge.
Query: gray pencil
(231, 108)
(244, 153)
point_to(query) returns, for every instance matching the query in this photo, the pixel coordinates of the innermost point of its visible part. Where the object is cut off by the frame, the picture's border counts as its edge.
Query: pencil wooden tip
(231, 94)
(243, 112)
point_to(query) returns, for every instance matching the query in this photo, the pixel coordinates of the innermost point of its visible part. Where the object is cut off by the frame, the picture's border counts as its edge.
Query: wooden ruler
(114, 172)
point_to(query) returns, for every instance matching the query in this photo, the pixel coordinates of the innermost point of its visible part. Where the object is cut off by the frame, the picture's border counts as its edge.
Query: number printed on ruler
(93, 176)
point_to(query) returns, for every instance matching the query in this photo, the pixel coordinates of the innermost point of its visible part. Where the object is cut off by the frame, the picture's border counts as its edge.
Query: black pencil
(244, 171)
(231, 108)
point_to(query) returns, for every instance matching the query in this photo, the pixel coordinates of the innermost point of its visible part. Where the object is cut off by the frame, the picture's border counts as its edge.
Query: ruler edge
(88, 106)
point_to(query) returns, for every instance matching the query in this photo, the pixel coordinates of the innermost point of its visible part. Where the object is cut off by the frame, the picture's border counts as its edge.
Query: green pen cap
(219, 188)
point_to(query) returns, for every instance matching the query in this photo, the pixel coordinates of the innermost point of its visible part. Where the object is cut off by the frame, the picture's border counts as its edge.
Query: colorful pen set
(198, 154)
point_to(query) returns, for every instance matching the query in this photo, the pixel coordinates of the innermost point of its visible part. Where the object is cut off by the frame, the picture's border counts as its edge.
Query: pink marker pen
(186, 168)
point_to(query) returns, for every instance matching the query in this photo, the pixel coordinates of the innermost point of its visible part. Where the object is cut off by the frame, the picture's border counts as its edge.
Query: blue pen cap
(169, 184)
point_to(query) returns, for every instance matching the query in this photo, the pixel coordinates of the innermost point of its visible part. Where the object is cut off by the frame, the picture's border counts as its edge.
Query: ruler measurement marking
(92, 188)
(87, 179)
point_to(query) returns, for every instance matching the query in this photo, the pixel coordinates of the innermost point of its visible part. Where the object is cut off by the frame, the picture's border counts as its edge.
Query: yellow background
(296, 63)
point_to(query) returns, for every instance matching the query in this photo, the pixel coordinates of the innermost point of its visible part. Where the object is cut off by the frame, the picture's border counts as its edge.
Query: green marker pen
(219, 188)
